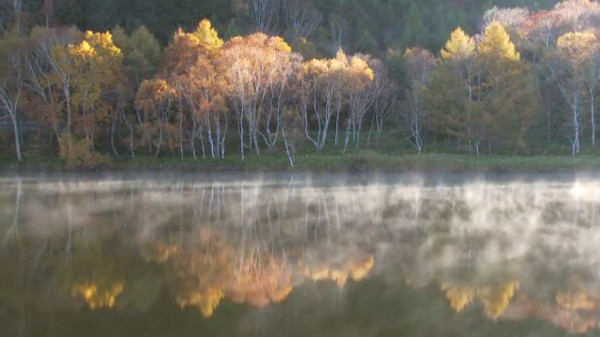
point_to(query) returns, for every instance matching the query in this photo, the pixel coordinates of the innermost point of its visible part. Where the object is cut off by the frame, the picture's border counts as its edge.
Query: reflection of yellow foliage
(459, 296)
(207, 273)
(579, 300)
(496, 299)
(163, 251)
(98, 296)
(354, 270)
(359, 271)
(319, 274)
(260, 283)
(340, 277)
(206, 301)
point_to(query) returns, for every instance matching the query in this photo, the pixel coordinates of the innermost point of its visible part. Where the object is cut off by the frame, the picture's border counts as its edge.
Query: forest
(90, 81)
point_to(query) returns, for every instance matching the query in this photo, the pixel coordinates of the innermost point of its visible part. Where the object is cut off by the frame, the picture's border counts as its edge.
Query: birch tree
(255, 67)
(323, 95)
(191, 68)
(419, 63)
(359, 79)
(385, 91)
(301, 18)
(154, 100)
(12, 55)
(263, 13)
(568, 68)
(592, 81)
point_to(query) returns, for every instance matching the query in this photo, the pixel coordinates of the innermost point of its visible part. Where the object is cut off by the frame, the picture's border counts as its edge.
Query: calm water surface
(326, 255)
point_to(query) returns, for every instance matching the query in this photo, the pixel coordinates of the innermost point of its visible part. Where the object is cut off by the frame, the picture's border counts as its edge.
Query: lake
(305, 255)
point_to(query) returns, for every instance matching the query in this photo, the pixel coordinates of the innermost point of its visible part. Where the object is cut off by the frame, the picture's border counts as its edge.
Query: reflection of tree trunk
(327, 218)
(14, 227)
(210, 202)
(37, 260)
(242, 224)
(69, 245)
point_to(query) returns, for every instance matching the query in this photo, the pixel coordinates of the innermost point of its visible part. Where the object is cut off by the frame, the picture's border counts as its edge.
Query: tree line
(526, 83)
(371, 26)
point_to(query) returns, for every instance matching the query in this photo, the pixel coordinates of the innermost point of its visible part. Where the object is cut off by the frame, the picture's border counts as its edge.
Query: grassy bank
(365, 161)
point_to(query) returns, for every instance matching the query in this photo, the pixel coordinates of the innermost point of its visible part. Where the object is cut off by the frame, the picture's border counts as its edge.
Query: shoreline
(323, 163)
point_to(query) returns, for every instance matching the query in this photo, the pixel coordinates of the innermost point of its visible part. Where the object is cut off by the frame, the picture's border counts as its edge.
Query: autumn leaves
(479, 92)
(257, 84)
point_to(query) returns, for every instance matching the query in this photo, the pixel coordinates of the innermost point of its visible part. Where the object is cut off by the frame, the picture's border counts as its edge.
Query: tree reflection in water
(514, 251)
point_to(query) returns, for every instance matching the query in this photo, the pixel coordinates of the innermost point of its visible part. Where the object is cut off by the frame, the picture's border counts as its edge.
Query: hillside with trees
(91, 80)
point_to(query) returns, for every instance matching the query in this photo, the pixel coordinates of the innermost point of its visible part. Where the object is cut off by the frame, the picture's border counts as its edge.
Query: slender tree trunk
(223, 136)
(130, 127)
(218, 138)
(347, 136)
(112, 134)
(193, 147)
(16, 132)
(358, 133)
(304, 111)
(131, 147)
(324, 133)
(210, 137)
(287, 147)
(241, 131)
(255, 140)
(202, 143)
(67, 93)
(337, 125)
(181, 128)
(159, 142)
(371, 129)
(10, 103)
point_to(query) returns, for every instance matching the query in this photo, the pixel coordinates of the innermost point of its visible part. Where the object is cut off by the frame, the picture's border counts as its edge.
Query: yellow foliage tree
(506, 100)
(96, 64)
(192, 68)
(460, 46)
(256, 67)
(84, 72)
(451, 91)
(496, 44)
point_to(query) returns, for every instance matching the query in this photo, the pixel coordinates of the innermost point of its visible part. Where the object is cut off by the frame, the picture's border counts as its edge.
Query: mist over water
(293, 256)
